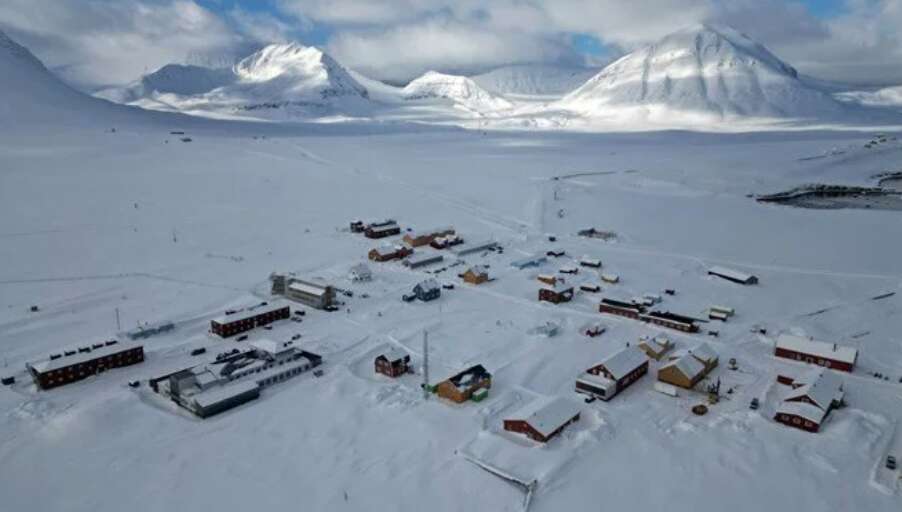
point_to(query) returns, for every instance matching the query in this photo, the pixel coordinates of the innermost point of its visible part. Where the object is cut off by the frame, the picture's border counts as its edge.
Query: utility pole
(425, 365)
(118, 325)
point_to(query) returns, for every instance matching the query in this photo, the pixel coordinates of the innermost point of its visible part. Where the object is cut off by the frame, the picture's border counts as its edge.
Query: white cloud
(97, 42)
(405, 51)
(112, 41)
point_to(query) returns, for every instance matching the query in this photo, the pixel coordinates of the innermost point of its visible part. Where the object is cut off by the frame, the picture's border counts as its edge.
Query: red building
(619, 308)
(382, 231)
(247, 319)
(84, 362)
(622, 368)
(813, 397)
(555, 295)
(828, 355)
(393, 363)
(544, 418)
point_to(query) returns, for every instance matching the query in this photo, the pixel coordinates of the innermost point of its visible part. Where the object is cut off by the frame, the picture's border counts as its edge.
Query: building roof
(48, 365)
(534, 260)
(447, 230)
(385, 227)
(270, 346)
(308, 288)
(624, 361)
(687, 365)
(802, 410)
(704, 352)
(249, 312)
(473, 247)
(386, 250)
(428, 285)
(547, 414)
(422, 258)
(816, 348)
(219, 394)
(822, 386)
(465, 378)
(393, 354)
(730, 273)
(599, 381)
(478, 270)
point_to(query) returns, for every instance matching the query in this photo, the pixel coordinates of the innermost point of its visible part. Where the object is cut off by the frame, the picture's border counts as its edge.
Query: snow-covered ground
(167, 230)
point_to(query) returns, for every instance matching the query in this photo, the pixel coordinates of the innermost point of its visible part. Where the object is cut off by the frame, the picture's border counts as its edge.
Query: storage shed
(555, 295)
(733, 275)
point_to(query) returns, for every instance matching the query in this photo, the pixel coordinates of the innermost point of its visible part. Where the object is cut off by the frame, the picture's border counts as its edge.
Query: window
(796, 421)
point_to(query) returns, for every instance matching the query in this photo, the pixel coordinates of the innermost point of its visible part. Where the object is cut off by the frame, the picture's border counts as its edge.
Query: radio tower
(425, 365)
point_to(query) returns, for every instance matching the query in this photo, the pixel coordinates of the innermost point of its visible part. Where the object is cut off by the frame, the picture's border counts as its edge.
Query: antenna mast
(425, 365)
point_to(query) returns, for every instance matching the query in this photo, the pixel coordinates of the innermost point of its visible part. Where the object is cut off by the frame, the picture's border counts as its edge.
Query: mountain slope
(534, 79)
(29, 92)
(706, 70)
(461, 90)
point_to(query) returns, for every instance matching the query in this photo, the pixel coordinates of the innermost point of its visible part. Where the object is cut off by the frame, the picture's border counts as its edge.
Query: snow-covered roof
(547, 414)
(464, 249)
(269, 346)
(447, 230)
(624, 361)
(394, 354)
(428, 284)
(802, 410)
(423, 258)
(732, 274)
(81, 357)
(385, 227)
(479, 270)
(218, 394)
(590, 261)
(598, 381)
(529, 261)
(249, 312)
(704, 352)
(687, 365)
(386, 250)
(308, 288)
(816, 348)
(822, 386)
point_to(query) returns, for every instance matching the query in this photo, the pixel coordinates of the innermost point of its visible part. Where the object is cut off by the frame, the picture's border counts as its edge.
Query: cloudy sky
(93, 43)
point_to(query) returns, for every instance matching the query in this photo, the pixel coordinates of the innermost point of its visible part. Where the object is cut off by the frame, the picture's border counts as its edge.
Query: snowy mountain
(280, 80)
(461, 90)
(172, 79)
(534, 79)
(703, 70)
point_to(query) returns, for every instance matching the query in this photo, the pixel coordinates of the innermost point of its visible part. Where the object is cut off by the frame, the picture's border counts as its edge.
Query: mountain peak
(703, 69)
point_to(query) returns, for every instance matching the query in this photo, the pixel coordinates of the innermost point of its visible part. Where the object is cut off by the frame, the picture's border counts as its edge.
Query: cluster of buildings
(639, 311)
(234, 377)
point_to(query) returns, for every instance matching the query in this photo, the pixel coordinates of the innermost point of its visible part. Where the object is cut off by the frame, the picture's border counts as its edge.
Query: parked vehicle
(241, 338)
(408, 297)
(198, 351)
(754, 405)
(890, 462)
